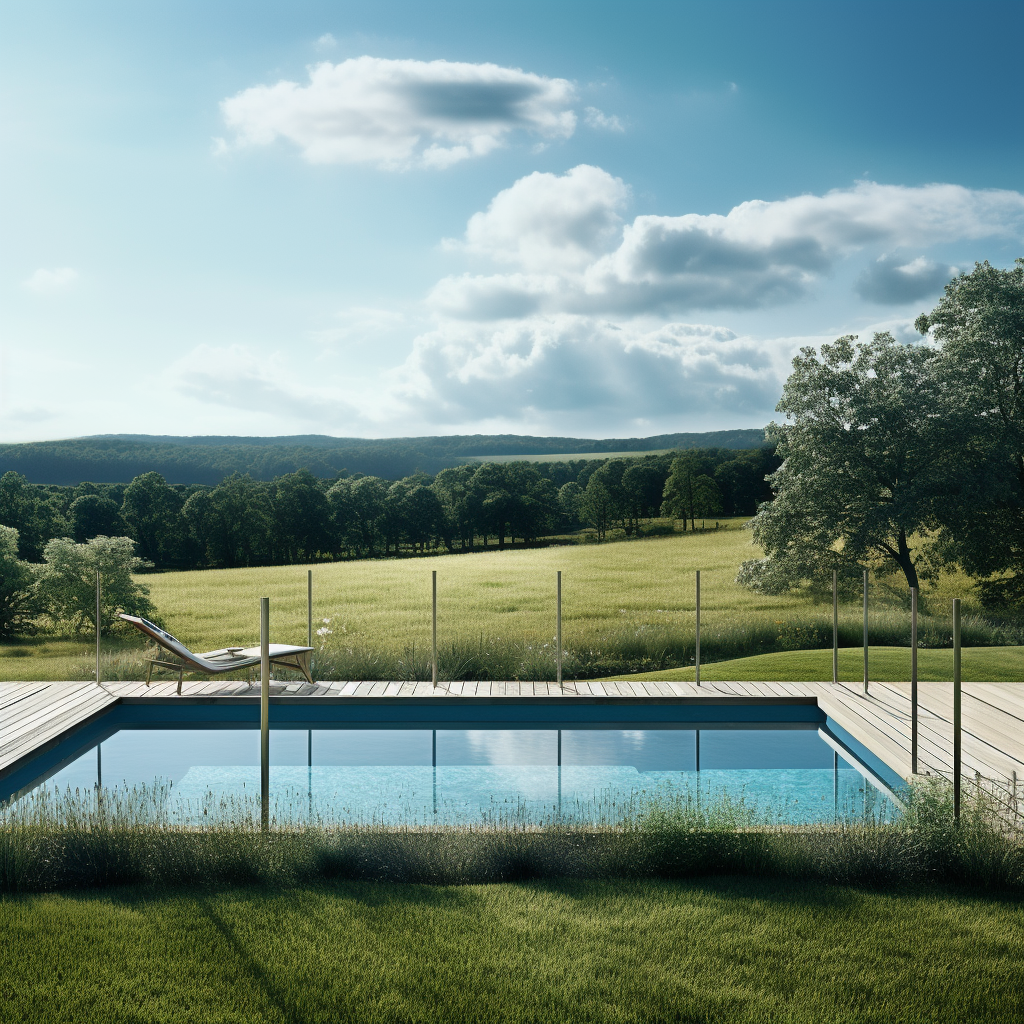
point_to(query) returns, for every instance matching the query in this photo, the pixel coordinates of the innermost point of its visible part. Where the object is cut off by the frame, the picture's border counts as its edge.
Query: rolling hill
(117, 458)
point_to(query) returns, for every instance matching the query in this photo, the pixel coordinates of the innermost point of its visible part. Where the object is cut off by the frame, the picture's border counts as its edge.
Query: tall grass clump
(51, 841)
(630, 647)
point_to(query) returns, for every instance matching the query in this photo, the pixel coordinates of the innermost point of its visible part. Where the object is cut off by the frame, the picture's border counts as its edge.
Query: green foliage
(92, 515)
(32, 512)
(65, 586)
(690, 490)
(866, 464)
(980, 323)
(16, 606)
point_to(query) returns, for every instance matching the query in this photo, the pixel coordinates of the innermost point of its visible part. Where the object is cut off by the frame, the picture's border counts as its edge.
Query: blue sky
(377, 219)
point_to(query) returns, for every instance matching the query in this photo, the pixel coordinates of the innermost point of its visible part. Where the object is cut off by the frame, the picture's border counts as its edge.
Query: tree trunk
(905, 562)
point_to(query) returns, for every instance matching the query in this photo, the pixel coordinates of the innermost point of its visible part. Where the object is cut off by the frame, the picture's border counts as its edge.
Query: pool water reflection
(451, 776)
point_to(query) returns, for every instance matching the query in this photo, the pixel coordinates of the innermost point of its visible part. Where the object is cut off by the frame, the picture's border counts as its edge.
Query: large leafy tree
(91, 515)
(151, 509)
(690, 490)
(866, 464)
(979, 322)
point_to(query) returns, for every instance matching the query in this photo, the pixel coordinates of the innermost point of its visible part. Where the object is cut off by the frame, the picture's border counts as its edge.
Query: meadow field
(627, 606)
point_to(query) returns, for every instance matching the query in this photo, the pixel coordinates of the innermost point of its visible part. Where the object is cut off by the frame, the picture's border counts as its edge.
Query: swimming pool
(488, 766)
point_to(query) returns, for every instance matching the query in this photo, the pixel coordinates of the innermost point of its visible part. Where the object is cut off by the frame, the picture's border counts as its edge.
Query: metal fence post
(558, 626)
(697, 646)
(309, 607)
(265, 712)
(956, 709)
(913, 680)
(97, 625)
(865, 631)
(835, 626)
(433, 627)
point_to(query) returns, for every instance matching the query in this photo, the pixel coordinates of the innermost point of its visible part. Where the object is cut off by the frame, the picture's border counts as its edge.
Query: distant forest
(300, 516)
(119, 458)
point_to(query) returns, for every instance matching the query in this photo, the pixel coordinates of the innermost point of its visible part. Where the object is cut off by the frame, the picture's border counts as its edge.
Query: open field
(718, 949)
(627, 607)
(886, 664)
(568, 457)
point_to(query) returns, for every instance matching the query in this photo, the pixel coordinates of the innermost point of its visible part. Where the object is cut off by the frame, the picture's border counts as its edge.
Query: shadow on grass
(380, 895)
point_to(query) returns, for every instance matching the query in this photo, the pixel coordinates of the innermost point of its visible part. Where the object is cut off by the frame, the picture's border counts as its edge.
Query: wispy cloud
(595, 118)
(45, 281)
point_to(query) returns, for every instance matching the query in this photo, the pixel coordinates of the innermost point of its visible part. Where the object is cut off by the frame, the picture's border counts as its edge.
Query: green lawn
(714, 950)
(886, 664)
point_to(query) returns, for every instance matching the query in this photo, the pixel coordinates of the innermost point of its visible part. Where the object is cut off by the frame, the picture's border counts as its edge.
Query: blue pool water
(422, 775)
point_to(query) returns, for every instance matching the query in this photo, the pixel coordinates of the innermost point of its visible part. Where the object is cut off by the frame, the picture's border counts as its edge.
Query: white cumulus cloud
(44, 281)
(549, 221)
(554, 368)
(397, 113)
(758, 254)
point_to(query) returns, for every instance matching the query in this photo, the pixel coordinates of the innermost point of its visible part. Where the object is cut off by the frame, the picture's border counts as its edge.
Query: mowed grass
(885, 664)
(715, 950)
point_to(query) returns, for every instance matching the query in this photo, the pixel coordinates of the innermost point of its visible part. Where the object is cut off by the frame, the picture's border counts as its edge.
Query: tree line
(299, 517)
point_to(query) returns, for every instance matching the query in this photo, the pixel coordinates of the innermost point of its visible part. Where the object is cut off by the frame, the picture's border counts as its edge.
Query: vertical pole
(99, 765)
(433, 761)
(433, 627)
(835, 626)
(559, 772)
(956, 708)
(558, 626)
(265, 712)
(97, 625)
(697, 648)
(309, 607)
(913, 680)
(835, 784)
(865, 631)
(696, 749)
(309, 770)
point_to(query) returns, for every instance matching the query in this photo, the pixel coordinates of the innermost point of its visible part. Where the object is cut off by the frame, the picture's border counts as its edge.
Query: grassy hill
(117, 458)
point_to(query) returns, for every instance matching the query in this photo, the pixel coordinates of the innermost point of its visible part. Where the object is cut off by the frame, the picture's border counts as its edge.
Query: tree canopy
(865, 464)
(979, 323)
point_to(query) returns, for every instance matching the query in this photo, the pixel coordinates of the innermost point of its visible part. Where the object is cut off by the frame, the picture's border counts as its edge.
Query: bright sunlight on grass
(886, 664)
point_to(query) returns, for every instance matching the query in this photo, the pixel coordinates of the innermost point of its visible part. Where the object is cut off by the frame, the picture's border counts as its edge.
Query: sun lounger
(227, 659)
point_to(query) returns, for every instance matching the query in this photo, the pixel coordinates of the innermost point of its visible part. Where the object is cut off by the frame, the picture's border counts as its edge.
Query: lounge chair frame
(227, 659)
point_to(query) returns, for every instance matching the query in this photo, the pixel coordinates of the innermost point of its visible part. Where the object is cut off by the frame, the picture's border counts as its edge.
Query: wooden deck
(36, 715)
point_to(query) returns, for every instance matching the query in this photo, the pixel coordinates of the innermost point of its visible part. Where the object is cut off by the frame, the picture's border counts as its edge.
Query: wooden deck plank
(36, 710)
